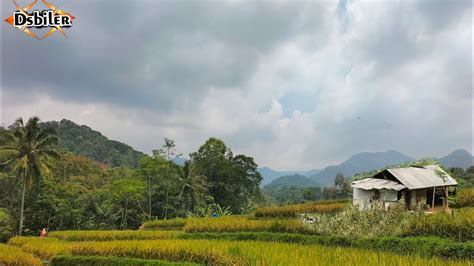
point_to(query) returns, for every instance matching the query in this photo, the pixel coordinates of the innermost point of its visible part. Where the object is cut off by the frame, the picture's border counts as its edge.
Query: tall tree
(342, 186)
(232, 181)
(26, 150)
(151, 169)
(193, 187)
(167, 151)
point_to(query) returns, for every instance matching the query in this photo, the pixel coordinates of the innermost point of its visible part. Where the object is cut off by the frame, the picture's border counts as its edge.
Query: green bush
(367, 223)
(458, 226)
(107, 260)
(6, 226)
(465, 198)
(423, 246)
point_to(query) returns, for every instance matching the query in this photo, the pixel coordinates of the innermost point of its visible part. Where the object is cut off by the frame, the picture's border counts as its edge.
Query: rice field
(10, 255)
(175, 223)
(217, 252)
(292, 211)
(113, 235)
(242, 223)
(251, 240)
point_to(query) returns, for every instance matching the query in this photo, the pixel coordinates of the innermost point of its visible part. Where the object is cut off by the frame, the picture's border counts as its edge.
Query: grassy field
(271, 239)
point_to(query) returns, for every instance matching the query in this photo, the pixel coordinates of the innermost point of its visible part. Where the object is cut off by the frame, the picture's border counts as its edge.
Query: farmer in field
(43, 233)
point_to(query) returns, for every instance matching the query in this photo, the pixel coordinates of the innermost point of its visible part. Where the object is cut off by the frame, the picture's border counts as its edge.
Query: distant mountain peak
(361, 162)
(458, 158)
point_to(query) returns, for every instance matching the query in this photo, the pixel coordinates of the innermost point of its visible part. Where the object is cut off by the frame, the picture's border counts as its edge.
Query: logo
(53, 18)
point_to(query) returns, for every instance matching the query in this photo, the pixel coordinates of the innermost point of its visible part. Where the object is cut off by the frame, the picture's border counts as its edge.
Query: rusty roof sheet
(422, 177)
(377, 183)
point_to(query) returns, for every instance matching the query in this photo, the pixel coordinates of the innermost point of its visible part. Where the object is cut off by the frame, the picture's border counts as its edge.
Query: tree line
(42, 186)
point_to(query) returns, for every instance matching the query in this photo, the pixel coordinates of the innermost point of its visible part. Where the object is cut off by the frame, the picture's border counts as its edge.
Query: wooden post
(433, 200)
(447, 194)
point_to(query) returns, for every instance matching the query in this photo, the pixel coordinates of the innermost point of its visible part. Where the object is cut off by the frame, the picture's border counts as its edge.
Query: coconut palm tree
(26, 150)
(192, 186)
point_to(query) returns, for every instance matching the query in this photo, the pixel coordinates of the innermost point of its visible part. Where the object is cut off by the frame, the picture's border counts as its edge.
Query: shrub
(175, 223)
(108, 261)
(292, 211)
(112, 235)
(367, 223)
(465, 197)
(459, 226)
(6, 226)
(242, 224)
(13, 256)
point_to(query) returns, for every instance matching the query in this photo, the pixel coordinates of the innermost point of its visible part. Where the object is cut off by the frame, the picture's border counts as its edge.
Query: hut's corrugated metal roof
(422, 177)
(377, 183)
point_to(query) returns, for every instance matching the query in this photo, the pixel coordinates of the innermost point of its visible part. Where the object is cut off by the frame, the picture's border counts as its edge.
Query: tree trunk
(22, 206)
(149, 198)
(49, 218)
(166, 204)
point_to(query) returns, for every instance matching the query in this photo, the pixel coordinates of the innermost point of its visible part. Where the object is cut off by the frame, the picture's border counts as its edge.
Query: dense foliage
(465, 197)
(292, 194)
(74, 192)
(6, 225)
(232, 180)
(82, 140)
(458, 226)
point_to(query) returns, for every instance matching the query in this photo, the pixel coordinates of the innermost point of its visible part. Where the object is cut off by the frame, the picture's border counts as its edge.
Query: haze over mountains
(363, 162)
(82, 140)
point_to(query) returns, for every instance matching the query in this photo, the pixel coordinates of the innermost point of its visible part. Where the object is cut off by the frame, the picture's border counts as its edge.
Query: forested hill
(82, 140)
(295, 180)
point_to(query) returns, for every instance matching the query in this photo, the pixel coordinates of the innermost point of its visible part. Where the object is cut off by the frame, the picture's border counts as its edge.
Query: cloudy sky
(295, 84)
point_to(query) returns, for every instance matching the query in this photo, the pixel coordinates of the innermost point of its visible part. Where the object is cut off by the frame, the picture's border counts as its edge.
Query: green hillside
(82, 140)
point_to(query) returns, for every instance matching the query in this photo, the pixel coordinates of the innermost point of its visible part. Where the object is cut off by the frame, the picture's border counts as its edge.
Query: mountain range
(269, 174)
(362, 162)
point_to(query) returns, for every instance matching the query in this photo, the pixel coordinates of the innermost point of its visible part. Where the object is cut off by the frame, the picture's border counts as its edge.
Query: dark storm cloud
(294, 84)
(152, 54)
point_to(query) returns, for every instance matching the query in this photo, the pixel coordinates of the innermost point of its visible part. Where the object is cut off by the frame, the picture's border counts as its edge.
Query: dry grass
(459, 226)
(465, 197)
(165, 224)
(292, 211)
(243, 224)
(13, 256)
(216, 252)
(113, 235)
